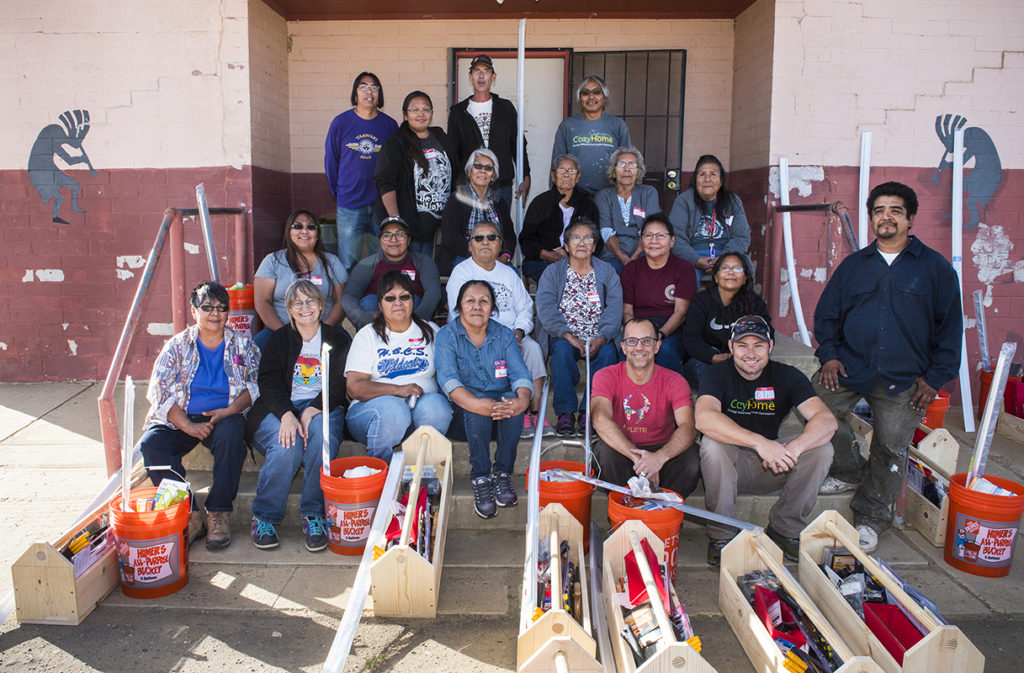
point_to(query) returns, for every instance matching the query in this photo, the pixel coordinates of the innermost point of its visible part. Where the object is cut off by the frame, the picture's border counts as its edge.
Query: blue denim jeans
(693, 370)
(385, 421)
(565, 373)
(262, 337)
(165, 445)
(507, 194)
(423, 247)
(277, 473)
(672, 350)
(534, 268)
(478, 431)
(353, 225)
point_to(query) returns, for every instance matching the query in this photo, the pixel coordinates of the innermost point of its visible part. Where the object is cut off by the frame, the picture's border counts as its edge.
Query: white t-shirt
(889, 257)
(512, 301)
(481, 112)
(307, 377)
(405, 358)
(567, 212)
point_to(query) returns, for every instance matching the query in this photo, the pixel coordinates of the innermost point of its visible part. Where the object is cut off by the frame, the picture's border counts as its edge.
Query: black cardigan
(453, 232)
(542, 224)
(466, 137)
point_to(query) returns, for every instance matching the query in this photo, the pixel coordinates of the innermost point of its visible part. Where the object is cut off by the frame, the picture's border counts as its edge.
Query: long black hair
(746, 300)
(386, 282)
(723, 199)
(410, 141)
(295, 259)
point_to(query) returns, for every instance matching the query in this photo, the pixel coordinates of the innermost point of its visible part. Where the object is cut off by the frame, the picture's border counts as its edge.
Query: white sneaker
(868, 539)
(833, 486)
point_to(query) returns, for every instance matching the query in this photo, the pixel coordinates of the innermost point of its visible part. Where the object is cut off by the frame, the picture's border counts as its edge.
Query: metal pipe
(325, 414)
(587, 451)
(177, 236)
(108, 414)
(957, 253)
(529, 595)
(864, 187)
(983, 440)
(204, 221)
(596, 560)
(241, 245)
(520, 131)
(787, 234)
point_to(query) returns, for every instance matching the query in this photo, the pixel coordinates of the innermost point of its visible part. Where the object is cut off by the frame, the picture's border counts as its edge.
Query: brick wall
(752, 86)
(268, 82)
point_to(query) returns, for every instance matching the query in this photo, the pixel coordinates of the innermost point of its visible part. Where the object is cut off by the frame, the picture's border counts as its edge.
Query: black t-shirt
(759, 405)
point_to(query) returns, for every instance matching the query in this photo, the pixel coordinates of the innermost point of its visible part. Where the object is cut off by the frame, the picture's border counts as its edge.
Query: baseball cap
(482, 58)
(751, 325)
(394, 219)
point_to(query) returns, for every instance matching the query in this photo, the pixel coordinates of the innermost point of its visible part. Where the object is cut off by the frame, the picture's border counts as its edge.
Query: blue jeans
(693, 370)
(534, 268)
(672, 350)
(282, 464)
(565, 373)
(506, 193)
(477, 431)
(165, 445)
(385, 421)
(262, 337)
(353, 225)
(423, 247)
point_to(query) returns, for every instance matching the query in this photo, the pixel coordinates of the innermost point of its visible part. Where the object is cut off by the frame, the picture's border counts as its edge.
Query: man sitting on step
(742, 403)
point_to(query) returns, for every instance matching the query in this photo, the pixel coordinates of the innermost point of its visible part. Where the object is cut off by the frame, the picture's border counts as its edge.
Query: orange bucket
(982, 528)
(351, 503)
(573, 495)
(935, 416)
(242, 311)
(664, 523)
(152, 547)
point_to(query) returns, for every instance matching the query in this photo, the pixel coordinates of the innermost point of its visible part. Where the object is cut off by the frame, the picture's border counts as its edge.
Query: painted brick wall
(268, 82)
(752, 86)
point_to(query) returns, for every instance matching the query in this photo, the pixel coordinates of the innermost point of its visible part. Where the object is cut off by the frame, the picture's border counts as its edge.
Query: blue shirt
(493, 369)
(350, 156)
(891, 323)
(209, 389)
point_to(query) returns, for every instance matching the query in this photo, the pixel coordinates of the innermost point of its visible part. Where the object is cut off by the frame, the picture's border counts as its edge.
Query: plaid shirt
(175, 367)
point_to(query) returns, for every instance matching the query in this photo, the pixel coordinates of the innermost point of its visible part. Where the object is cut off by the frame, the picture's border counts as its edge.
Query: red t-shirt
(652, 292)
(645, 413)
(405, 266)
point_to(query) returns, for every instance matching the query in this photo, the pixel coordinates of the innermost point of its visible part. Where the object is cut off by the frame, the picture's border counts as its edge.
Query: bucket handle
(191, 494)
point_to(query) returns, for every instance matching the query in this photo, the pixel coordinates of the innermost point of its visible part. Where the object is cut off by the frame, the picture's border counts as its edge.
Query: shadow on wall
(55, 142)
(983, 180)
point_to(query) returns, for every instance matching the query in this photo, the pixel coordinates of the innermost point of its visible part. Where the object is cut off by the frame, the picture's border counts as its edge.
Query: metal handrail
(529, 595)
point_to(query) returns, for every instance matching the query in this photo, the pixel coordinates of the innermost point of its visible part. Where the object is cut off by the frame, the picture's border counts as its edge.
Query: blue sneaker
(264, 535)
(315, 528)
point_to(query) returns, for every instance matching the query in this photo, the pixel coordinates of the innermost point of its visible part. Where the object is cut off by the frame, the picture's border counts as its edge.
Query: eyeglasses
(479, 238)
(484, 167)
(750, 324)
(633, 342)
(591, 92)
(660, 236)
(209, 308)
(368, 87)
(576, 240)
(737, 269)
(392, 235)
(391, 299)
(305, 303)
(299, 226)
(566, 171)
(626, 164)
(417, 110)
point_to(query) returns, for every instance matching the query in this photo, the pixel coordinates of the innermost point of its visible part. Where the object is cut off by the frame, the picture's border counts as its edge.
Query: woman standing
(480, 369)
(414, 172)
(390, 373)
(302, 258)
(286, 423)
(625, 205)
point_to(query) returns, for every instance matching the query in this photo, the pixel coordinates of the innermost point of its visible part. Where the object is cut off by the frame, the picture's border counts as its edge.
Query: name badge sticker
(430, 154)
(500, 369)
(316, 280)
(593, 297)
(728, 221)
(411, 273)
(764, 393)
(639, 212)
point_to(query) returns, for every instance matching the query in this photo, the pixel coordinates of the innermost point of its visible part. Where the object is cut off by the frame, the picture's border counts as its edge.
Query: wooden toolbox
(556, 633)
(403, 582)
(945, 649)
(672, 656)
(749, 552)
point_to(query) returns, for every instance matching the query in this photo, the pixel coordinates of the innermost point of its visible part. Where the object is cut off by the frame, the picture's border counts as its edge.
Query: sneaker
(581, 424)
(264, 535)
(504, 493)
(790, 546)
(315, 528)
(529, 425)
(483, 498)
(566, 425)
(832, 486)
(868, 538)
(547, 430)
(218, 530)
(715, 548)
(196, 526)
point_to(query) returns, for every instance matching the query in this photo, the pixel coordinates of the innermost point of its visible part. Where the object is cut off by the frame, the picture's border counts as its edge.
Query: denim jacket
(176, 366)
(459, 362)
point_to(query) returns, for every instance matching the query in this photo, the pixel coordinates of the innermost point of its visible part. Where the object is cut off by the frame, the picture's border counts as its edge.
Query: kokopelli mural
(54, 142)
(982, 180)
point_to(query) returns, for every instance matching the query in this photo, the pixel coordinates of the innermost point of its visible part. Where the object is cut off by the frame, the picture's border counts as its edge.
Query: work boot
(196, 526)
(218, 531)
(833, 486)
(790, 546)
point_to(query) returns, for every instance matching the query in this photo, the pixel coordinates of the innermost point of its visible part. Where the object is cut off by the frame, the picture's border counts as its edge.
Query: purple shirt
(350, 156)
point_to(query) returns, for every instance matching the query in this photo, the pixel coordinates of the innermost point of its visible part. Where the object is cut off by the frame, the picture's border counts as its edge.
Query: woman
(414, 172)
(709, 320)
(707, 219)
(474, 201)
(579, 297)
(624, 206)
(203, 379)
(390, 373)
(659, 286)
(514, 308)
(286, 424)
(353, 142)
(302, 257)
(480, 369)
(550, 213)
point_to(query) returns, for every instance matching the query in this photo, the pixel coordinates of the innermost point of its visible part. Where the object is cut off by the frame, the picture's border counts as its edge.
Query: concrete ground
(278, 615)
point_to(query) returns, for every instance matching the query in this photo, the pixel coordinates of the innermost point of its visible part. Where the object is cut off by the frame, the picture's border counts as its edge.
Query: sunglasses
(209, 308)
(489, 168)
(480, 238)
(751, 324)
(591, 92)
(391, 299)
(298, 226)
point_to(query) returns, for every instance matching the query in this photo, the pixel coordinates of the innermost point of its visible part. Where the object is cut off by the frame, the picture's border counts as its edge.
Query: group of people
(616, 279)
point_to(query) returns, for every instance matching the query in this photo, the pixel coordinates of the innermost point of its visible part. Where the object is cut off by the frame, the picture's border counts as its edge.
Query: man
(643, 415)
(742, 403)
(591, 135)
(889, 327)
(487, 120)
(353, 142)
(360, 296)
